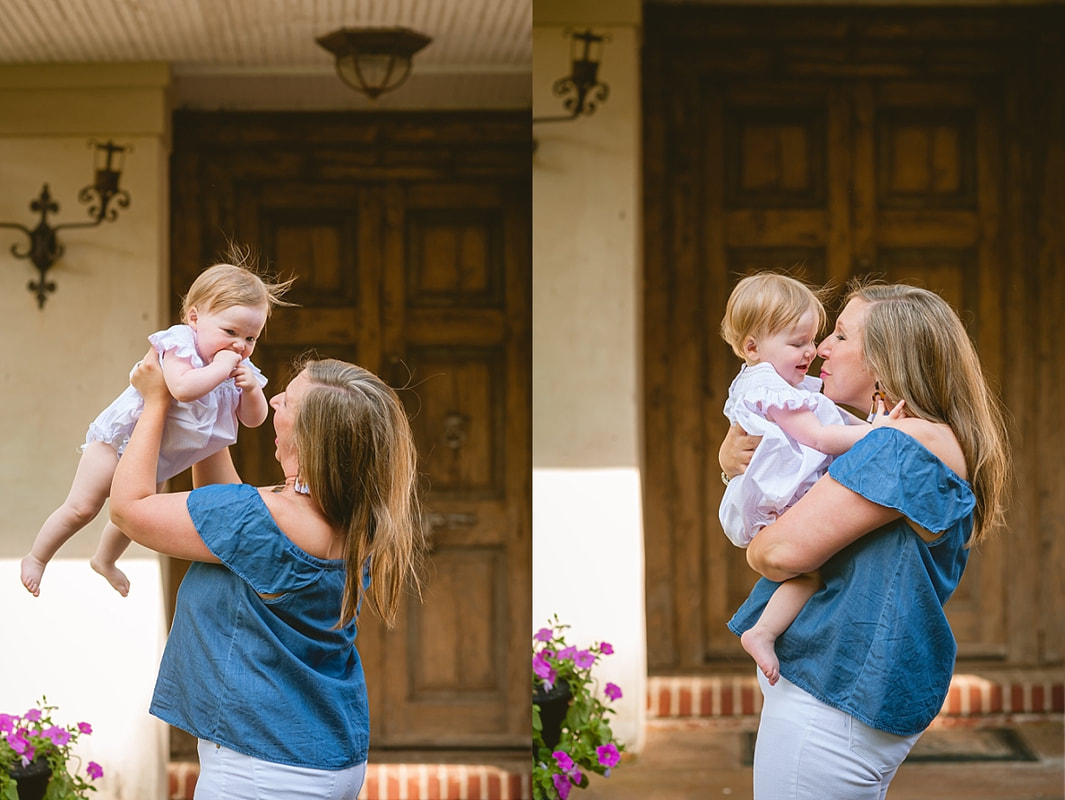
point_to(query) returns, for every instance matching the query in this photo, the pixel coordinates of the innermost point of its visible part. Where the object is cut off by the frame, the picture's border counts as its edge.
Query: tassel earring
(878, 397)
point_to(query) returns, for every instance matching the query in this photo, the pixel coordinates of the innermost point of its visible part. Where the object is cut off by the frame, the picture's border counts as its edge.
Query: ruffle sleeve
(894, 470)
(760, 388)
(180, 340)
(238, 529)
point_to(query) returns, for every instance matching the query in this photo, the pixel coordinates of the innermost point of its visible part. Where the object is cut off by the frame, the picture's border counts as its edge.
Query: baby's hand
(228, 357)
(244, 377)
(886, 418)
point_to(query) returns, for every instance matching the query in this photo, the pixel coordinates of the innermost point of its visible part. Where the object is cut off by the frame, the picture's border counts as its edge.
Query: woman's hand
(147, 378)
(736, 450)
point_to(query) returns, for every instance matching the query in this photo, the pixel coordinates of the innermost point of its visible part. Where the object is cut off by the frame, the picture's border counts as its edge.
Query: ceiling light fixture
(373, 60)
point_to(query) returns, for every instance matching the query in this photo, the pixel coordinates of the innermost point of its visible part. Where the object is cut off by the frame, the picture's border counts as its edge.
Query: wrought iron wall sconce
(44, 248)
(581, 89)
(373, 60)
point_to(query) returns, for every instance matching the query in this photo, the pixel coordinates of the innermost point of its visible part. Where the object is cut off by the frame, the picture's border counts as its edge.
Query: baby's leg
(113, 543)
(785, 604)
(91, 486)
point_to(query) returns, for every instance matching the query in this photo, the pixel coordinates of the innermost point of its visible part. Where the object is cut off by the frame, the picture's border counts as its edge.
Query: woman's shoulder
(939, 439)
(297, 516)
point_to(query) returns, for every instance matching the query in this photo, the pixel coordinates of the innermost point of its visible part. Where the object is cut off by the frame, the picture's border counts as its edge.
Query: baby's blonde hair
(238, 283)
(764, 304)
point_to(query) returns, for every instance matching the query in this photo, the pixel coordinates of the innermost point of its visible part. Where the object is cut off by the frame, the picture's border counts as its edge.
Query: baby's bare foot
(759, 645)
(116, 577)
(32, 570)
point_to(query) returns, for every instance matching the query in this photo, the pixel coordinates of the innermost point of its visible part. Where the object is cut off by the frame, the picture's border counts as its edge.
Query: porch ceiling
(481, 50)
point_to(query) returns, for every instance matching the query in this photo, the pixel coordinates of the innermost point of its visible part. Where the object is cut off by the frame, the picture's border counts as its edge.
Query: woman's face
(285, 406)
(847, 378)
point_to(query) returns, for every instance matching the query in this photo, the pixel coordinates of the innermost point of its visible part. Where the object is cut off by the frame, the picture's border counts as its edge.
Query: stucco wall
(587, 531)
(90, 651)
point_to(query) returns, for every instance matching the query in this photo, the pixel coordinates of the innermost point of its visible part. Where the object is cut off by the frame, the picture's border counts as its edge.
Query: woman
(261, 664)
(867, 663)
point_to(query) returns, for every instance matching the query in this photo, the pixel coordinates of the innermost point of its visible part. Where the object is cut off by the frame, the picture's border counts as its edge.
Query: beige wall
(587, 531)
(93, 653)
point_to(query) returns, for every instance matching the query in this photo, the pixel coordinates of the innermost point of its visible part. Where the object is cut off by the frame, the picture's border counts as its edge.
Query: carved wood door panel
(422, 275)
(829, 177)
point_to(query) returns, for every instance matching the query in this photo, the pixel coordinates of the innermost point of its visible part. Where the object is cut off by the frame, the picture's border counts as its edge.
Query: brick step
(733, 695)
(423, 781)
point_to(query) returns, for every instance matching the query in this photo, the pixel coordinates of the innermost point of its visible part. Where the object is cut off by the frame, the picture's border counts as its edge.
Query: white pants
(807, 750)
(228, 775)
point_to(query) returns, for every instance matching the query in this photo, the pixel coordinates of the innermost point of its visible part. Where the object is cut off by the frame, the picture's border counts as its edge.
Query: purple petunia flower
(94, 770)
(608, 755)
(19, 743)
(606, 649)
(58, 736)
(562, 786)
(562, 758)
(7, 723)
(544, 635)
(584, 659)
(544, 671)
(567, 653)
(84, 727)
(33, 715)
(612, 690)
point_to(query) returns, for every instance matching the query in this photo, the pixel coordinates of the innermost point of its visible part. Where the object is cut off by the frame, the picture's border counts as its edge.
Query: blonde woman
(261, 664)
(866, 664)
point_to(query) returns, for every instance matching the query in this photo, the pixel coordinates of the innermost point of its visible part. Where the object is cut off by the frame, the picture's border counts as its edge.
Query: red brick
(495, 786)
(684, 706)
(995, 700)
(1038, 696)
(747, 693)
(1057, 697)
(727, 695)
(1017, 698)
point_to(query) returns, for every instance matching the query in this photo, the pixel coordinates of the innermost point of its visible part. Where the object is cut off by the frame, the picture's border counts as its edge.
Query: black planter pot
(31, 780)
(553, 705)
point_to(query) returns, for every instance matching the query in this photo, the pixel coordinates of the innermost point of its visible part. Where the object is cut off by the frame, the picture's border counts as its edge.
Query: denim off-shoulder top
(874, 641)
(253, 661)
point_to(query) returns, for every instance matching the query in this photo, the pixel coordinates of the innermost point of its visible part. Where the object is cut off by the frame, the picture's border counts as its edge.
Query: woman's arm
(158, 521)
(215, 469)
(736, 450)
(824, 521)
(187, 383)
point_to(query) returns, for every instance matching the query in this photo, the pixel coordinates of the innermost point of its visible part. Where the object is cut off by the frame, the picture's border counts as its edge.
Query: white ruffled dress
(781, 470)
(194, 430)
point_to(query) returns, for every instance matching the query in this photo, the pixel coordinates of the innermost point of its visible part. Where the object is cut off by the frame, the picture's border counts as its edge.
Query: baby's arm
(803, 426)
(187, 382)
(252, 407)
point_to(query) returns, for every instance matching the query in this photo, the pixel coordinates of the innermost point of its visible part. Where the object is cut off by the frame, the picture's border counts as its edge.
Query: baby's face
(236, 328)
(790, 351)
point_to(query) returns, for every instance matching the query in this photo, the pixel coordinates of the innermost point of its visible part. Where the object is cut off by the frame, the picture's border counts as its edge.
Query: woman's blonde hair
(234, 282)
(764, 304)
(917, 348)
(357, 456)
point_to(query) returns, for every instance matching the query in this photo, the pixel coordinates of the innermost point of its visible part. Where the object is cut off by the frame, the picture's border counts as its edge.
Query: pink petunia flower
(562, 786)
(608, 755)
(7, 723)
(58, 736)
(544, 635)
(612, 690)
(562, 758)
(567, 653)
(584, 659)
(33, 715)
(606, 649)
(94, 770)
(84, 727)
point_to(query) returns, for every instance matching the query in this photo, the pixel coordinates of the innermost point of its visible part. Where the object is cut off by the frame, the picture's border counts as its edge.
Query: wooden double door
(409, 238)
(829, 143)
